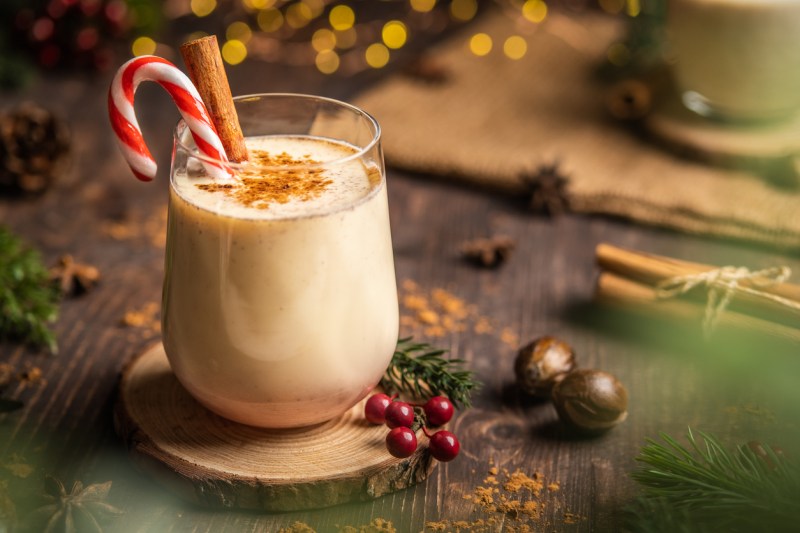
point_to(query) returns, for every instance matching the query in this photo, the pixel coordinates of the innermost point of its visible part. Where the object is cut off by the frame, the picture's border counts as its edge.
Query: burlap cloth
(494, 118)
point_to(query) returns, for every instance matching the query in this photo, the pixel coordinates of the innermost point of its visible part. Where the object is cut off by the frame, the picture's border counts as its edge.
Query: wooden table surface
(100, 214)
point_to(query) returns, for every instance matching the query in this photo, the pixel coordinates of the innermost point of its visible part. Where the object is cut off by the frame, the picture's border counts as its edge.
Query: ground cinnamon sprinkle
(509, 501)
(147, 317)
(294, 182)
(438, 312)
(297, 527)
(378, 525)
(139, 226)
(519, 480)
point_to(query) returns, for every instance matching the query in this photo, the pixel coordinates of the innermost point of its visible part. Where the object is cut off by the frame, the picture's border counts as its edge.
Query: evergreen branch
(707, 487)
(428, 374)
(28, 302)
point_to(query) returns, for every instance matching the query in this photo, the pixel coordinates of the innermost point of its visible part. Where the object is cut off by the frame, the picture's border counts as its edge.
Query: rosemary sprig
(710, 488)
(28, 302)
(420, 369)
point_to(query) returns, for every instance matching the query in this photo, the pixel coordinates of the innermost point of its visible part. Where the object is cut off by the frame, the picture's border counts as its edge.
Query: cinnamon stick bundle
(630, 279)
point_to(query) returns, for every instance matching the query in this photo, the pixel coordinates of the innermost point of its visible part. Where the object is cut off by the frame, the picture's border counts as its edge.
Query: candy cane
(185, 96)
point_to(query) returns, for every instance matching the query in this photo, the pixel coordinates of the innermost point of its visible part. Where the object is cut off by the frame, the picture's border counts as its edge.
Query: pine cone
(34, 145)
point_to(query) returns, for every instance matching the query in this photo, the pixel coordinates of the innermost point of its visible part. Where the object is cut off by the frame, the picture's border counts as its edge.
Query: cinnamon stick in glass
(205, 68)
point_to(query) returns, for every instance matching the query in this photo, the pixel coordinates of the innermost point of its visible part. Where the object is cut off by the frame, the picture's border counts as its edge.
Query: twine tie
(723, 284)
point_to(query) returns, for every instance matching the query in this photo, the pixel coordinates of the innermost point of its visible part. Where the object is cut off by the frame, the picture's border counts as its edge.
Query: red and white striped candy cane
(185, 96)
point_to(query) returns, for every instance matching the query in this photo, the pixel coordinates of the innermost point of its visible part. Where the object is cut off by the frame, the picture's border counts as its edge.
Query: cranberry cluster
(399, 416)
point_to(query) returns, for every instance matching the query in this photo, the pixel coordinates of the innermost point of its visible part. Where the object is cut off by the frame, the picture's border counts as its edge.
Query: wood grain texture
(214, 462)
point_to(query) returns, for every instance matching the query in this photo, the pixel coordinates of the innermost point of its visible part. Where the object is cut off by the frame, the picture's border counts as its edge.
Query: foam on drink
(287, 176)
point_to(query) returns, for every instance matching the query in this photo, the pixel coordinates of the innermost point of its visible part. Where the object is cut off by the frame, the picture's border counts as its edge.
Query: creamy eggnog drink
(280, 303)
(737, 59)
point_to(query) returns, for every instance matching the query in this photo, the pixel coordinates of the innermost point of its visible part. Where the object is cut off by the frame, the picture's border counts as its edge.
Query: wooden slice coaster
(215, 462)
(758, 146)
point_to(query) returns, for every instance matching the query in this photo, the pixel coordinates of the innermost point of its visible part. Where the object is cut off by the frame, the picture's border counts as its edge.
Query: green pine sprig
(705, 487)
(28, 301)
(420, 369)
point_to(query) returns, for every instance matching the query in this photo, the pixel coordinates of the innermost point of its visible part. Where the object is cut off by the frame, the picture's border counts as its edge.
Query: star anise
(547, 189)
(488, 252)
(80, 509)
(73, 278)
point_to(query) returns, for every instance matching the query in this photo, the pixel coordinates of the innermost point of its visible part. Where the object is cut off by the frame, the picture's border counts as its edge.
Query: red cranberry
(375, 408)
(439, 410)
(401, 442)
(444, 445)
(399, 414)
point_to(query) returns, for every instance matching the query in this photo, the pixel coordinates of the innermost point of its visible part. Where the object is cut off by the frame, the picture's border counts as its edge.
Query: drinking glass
(281, 320)
(737, 59)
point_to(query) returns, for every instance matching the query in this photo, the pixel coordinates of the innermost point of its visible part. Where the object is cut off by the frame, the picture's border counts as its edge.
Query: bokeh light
(323, 40)
(463, 9)
(194, 36)
(270, 20)
(377, 55)
(234, 52)
(634, 8)
(327, 61)
(143, 46)
(298, 15)
(42, 29)
(239, 31)
(342, 17)
(423, 6)
(480, 44)
(534, 10)
(258, 4)
(394, 34)
(515, 47)
(203, 8)
(315, 6)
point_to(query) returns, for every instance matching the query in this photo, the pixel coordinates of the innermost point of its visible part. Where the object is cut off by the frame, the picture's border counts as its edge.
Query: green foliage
(420, 369)
(705, 487)
(28, 301)
(646, 39)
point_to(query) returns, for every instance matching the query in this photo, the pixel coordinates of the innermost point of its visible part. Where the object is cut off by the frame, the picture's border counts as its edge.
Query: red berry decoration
(439, 410)
(444, 445)
(401, 442)
(375, 408)
(399, 414)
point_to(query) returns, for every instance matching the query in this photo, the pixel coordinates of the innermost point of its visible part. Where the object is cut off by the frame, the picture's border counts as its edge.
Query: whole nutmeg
(591, 400)
(543, 363)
